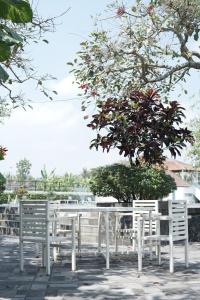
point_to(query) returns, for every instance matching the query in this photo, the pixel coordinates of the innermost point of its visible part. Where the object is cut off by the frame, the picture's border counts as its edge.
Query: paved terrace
(93, 281)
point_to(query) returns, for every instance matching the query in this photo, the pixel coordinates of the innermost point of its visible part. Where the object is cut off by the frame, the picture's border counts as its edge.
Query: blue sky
(55, 134)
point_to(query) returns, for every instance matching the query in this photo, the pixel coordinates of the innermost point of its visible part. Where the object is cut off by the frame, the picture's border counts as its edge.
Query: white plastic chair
(178, 231)
(138, 210)
(36, 219)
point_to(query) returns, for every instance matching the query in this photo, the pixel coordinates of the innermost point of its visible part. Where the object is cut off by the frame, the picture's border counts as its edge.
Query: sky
(55, 134)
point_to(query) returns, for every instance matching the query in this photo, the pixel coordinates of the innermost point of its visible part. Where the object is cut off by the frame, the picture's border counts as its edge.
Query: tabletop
(77, 208)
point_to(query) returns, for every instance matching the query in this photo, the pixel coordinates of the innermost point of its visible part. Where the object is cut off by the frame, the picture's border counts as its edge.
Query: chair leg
(186, 254)
(55, 253)
(37, 250)
(151, 251)
(107, 241)
(134, 242)
(99, 232)
(171, 264)
(79, 235)
(43, 256)
(150, 233)
(140, 232)
(158, 252)
(116, 238)
(21, 251)
(73, 246)
(47, 259)
(116, 243)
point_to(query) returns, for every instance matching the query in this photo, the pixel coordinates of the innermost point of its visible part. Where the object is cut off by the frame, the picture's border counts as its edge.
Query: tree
(46, 177)
(129, 183)
(2, 183)
(149, 45)
(20, 25)
(13, 15)
(11, 12)
(194, 152)
(3, 152)
(141, 127)
(23, 169)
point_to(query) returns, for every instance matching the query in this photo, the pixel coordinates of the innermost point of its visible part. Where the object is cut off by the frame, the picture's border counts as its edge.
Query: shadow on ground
(92, 280)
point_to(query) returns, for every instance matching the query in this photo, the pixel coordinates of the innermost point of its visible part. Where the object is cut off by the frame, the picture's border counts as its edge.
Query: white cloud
(46, 114)
(66, 87)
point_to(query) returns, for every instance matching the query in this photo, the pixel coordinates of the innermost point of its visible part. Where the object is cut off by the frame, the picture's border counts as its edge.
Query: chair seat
(156, 237)
(163, 238)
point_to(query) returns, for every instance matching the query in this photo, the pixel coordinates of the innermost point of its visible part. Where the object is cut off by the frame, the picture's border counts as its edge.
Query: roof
(175, 165)
(179, 181)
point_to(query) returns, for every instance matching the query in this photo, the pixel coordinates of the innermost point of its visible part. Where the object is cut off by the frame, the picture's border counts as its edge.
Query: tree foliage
(140, 126)
(20, 26)
(11, 12)
(2, 183)
(3, 152)
(129, 183)
(194, 151)
(140, 45)
(23, 169)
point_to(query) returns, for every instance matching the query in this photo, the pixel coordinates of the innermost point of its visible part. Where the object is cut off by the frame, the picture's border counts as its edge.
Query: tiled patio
(93, 281)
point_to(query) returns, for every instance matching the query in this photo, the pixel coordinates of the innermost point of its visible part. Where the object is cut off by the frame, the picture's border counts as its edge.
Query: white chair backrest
(34, 217)
(153, 204)
(178, 228)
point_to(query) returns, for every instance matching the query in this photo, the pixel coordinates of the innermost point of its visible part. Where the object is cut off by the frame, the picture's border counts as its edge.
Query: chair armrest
(155, 217)
(124, 214)
(158, 217)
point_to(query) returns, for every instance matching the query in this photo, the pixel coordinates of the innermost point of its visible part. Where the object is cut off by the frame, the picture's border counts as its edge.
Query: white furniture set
(40, 221)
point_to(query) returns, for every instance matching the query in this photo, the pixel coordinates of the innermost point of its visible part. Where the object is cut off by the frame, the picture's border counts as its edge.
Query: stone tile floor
(93, 281)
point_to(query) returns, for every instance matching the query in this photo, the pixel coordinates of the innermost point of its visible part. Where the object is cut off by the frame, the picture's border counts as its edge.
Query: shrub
(2, 183)
(129, 183)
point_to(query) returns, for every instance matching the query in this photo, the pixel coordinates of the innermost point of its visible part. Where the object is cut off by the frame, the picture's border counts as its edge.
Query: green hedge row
(34, 196)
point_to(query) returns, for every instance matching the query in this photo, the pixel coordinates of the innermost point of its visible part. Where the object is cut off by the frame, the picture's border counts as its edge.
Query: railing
(40, 185)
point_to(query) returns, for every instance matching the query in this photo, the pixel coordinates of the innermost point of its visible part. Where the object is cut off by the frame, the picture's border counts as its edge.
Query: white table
(106, 211)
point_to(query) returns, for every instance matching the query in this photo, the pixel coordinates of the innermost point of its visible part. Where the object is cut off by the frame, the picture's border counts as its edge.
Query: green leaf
(46, 41)
(9, 36)
(18, 11)
(3, 74)
(70, 63)
(4, 51)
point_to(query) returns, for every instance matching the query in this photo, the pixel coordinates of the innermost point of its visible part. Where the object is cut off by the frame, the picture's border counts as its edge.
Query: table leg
(107, 241)
(139, 233)
(73, 246)
(99, 231)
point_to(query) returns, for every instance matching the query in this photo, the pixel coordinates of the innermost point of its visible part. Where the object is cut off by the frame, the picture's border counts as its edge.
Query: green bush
(2, 183)
(46, 195)
(4, 197)
(34, 196)
(129, 183)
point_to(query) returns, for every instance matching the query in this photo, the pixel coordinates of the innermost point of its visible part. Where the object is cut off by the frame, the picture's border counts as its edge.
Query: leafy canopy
(194, 151)
(23, 169)
(2, 183)
(143, 44)
(16, 11)
(140, 126)
(129, 183)
(20, 26)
